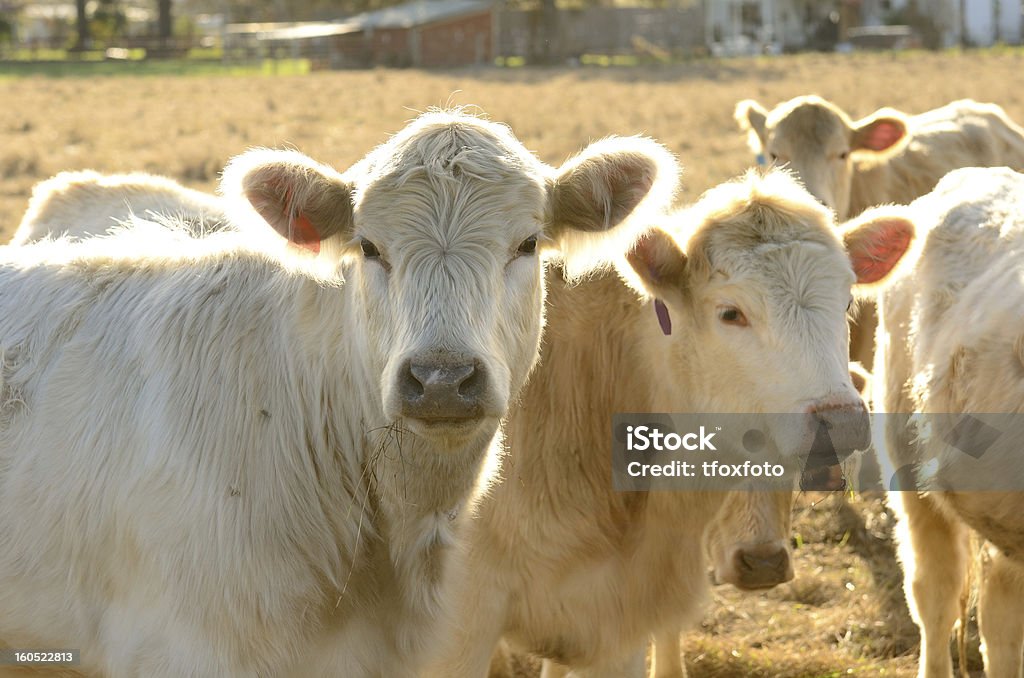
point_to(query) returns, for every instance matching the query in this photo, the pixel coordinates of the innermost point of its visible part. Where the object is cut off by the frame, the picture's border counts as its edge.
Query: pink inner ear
(304, 234)
(882, 134)
(877, 253)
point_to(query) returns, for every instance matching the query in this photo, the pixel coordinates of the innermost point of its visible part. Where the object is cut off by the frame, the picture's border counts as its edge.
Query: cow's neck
(900, 178)
(592, 367)
(418, 492)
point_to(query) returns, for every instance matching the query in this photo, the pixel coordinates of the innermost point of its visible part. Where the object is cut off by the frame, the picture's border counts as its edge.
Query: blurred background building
(449, 33)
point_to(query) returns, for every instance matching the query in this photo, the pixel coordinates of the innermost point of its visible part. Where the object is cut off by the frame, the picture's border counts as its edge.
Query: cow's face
(817, 141)
(762, 292)
(749, 543)
(442, 230)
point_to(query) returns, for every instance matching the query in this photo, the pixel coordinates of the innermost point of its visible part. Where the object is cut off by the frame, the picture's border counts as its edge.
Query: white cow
(754, 320)
(84, 203)
(951, 341)
(886, 157)
(219, 460)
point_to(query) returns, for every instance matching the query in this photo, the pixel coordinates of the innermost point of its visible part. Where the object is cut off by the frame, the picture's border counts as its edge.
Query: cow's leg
(667, 661)
(934, 551)
(1001, 617)
(550, 669)
(632, 666)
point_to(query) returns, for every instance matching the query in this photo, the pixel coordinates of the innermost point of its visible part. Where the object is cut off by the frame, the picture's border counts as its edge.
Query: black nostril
(472, 387)
(752, 562)
(410, 385)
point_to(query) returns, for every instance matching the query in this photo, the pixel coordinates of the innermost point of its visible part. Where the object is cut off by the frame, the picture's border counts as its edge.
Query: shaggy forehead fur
(738, 220)
(810, 118)
(452, 178)
(446, 147)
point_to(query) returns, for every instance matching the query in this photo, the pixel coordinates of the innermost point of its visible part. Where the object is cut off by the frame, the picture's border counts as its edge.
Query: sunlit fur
(81, 204)
(557, 560)
(950, 341)
(808, 134)
(199, 472)
(762, 245)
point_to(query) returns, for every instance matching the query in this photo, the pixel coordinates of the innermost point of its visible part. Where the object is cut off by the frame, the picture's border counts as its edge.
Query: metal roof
(416, 13)
(291, 31)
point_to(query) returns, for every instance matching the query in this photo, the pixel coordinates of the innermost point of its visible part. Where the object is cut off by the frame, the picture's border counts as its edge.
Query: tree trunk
(82, 25)
(546, 47)
(165, 19)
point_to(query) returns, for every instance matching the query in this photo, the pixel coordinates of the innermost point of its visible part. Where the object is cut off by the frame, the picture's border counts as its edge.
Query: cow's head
(759, 294)
(440, 232)
(816, 140)
(749, 541)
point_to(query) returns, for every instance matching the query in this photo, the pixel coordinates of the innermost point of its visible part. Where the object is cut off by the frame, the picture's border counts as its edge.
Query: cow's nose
(840, 430)
(762, 566)
(442, 387)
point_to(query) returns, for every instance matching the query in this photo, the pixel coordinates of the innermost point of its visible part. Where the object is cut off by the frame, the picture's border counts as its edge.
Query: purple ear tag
(663, 319)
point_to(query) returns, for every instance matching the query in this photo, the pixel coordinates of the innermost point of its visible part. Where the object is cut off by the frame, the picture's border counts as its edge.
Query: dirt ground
(842, 615)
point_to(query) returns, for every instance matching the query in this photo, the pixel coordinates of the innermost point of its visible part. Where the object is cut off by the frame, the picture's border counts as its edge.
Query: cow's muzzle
(759, 566)
(442, 389)
(839, 431)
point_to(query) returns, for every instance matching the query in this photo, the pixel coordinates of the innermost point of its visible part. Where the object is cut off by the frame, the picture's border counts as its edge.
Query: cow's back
(969, 349)
(87, 203)
(961, 134)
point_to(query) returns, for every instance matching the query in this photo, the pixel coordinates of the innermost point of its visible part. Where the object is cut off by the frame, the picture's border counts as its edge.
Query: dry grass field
(844, 614)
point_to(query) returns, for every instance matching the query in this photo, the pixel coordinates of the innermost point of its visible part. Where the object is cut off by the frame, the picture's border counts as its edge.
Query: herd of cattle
(377, 443)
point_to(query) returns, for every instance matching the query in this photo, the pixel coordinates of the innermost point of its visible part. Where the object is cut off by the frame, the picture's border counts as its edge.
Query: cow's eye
(370, 250)
(730, 315)
(528, 246)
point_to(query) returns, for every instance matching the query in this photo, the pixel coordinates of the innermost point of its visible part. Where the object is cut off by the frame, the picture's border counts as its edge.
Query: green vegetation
(94, 64)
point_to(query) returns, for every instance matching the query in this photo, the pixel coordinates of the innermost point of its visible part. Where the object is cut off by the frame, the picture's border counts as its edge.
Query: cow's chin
(453, 434)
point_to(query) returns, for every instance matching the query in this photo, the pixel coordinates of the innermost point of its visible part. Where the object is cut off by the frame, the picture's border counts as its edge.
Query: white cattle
(888, 157)
(951, 341)
(222, 460)
(84, 203)
(753, 320)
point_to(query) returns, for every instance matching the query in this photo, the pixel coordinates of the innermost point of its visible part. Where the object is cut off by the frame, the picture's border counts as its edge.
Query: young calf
(223, 460)
(751, 317)
(951, 343)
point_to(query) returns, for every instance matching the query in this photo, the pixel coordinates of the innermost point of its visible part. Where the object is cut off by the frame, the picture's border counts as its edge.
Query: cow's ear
(619, 181)
(751, 117)
(610, 180)
(659, 264)
(301, 199)
(877, 242)
(880, 131)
